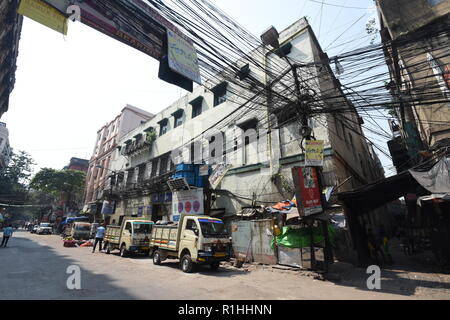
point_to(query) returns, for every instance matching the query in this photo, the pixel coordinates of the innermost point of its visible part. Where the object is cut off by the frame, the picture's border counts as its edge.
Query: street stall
(425, 189)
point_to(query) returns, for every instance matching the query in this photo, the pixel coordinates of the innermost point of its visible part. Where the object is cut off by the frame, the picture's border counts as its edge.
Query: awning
(374, 195)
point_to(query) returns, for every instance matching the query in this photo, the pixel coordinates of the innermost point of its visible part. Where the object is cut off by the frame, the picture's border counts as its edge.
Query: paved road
(34, 267)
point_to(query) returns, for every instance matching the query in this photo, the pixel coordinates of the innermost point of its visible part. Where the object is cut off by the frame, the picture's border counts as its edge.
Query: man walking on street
(99, 238)
(7, 233)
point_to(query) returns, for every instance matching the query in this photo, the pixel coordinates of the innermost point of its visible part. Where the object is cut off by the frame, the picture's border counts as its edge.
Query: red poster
(447, 76)
(308, 190)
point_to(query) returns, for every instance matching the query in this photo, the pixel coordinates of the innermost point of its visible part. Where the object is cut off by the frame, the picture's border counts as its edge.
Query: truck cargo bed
(165, 237)
(112, 234)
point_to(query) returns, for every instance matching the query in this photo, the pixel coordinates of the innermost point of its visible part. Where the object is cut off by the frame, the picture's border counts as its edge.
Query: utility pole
(271, 38)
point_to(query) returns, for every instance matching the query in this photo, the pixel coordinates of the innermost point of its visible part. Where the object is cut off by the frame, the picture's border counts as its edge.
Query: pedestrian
(374, 247)
(7, 233)
(385, 245)
(99, 237)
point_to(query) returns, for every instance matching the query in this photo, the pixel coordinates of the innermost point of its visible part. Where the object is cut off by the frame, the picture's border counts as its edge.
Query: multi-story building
(77, 164)
(106, 142)
(10, 29)
(417, 39)
(5, 149)
(261, 145)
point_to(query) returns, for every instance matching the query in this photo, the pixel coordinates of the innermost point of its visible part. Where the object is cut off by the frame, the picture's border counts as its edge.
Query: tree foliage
(15, 177)
(57, 182)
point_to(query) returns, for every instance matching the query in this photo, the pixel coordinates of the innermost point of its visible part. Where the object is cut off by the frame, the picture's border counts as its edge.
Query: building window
(163, 126)
(178, 115)
(197, 106)
(350, 139)
(164, 163)
(154, 168)
(343, 132)
(250, 139)
(220, 93)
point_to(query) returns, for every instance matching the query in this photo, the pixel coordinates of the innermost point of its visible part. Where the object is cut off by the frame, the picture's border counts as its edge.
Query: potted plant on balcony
(151, 137)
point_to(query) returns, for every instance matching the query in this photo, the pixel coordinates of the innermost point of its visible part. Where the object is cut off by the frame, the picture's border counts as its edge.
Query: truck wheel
(186, 263)
(123, 251)
(157, 257)
(108, 248)
(215, 265)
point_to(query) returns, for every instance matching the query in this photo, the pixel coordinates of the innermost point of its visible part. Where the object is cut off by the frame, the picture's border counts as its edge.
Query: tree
(15, 177)
(65, 185)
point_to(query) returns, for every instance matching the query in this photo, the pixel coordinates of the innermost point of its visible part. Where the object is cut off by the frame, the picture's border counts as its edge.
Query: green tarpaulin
(301, 238)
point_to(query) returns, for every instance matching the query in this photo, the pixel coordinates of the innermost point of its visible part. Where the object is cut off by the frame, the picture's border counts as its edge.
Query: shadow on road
(32, 271)
(206, 270)
(393, 280)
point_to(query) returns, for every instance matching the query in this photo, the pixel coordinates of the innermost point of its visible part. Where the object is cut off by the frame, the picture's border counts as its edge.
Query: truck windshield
(142, 227)
(83, 227)
(212, 227)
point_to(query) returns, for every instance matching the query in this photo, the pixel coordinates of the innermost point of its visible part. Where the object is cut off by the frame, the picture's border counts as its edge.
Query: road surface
(34, 267)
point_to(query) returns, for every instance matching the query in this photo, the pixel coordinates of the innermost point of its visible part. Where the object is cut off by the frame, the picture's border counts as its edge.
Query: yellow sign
(314, 153)
(44, 14)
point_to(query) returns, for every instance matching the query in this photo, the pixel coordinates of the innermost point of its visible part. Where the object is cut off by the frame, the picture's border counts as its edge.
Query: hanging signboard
(218, 173)
(146, 31)
(314, 153)
(440, 76)
(187, 202)
(447, 76)
(108, 207)
(307, 188)
(183, 57)
(203, 170)
(142, 34)
(45, 14)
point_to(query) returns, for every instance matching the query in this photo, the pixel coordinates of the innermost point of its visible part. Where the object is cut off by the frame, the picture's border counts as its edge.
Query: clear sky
(69, 87)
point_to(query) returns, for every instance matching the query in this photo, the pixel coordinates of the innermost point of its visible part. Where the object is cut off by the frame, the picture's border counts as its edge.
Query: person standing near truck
(99, 238)
(7, 233)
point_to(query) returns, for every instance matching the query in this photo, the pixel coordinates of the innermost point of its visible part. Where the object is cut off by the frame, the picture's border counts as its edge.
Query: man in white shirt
(99, 237)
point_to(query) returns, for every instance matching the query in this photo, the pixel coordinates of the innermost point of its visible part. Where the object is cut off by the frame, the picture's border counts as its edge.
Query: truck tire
(186, 263)
(214, 266)
(108, 248)
(157, 257)
(123, 251)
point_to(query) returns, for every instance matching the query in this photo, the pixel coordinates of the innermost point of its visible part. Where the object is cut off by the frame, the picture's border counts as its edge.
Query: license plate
(219, 254)
(145, 248)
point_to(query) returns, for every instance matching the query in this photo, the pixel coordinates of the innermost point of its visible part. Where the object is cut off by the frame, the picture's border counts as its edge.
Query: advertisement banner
(203, 170)
(183, 57)
(440, 76)
(144, 35)
(44, 14)
(314, 153)
(307, 188)
(187, 202)
(108, 207)
(218, 173)
(145, 32)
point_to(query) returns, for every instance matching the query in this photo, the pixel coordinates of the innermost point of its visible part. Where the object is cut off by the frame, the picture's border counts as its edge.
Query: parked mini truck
(80, 231)
(194, 240)
(131, 237)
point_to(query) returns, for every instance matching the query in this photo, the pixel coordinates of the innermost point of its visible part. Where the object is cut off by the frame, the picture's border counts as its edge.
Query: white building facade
(260, 145)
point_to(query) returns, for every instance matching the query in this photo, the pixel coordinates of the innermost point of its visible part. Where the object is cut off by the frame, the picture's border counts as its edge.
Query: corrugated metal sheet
(254, 240)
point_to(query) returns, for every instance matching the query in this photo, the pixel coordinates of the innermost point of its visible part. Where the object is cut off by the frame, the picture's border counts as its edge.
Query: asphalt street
(35, 267)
